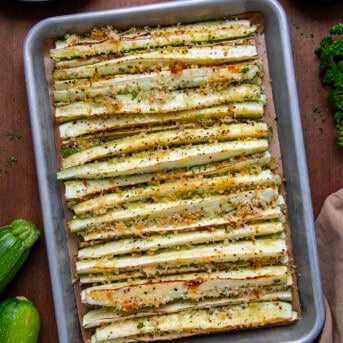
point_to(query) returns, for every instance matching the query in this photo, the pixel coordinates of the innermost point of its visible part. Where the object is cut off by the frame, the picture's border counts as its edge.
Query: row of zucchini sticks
(166, 169)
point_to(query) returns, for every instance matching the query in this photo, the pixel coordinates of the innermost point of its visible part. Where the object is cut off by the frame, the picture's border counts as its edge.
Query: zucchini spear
(108, 315)
(173, 158)
(156, 59)
(178, 189)
(234, 225)
(132, 296)
(214, 253)
(156, 242)
(166, 138)
(158, 102)
(107, 277)
(75, 128)
(108, 41)
(76, 190)
(164, 80)
(188, 207)
(194, 322)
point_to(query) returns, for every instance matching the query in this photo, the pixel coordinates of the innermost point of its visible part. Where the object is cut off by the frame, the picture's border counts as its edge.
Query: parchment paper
(270, 118)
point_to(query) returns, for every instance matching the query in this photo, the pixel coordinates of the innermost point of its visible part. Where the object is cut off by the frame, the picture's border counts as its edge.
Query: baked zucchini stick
(164, 102)
(173, 158)
(234, 225)
(107, 41)
(156, 242)
(216, 253)
(76, 190)
(164, 80)
(156, 59)
(133, 296)
(195, 322)
(108, 315)
(166, 138)
(96, 125)
(191, 207)
(178, 189)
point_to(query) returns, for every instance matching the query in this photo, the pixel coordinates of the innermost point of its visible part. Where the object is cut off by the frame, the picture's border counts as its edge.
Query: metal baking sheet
(289, 131)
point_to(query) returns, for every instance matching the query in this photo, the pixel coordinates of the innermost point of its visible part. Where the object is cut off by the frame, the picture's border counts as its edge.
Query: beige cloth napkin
(329, 231)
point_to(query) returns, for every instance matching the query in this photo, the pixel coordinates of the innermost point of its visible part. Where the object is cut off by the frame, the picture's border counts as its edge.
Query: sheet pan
(289, 131)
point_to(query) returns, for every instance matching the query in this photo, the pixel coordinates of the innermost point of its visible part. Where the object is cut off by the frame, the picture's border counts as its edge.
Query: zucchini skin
(19, 321)
(16, 239)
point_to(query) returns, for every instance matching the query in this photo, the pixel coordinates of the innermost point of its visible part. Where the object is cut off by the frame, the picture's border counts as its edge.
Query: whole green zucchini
(16, 239)
(19, 321)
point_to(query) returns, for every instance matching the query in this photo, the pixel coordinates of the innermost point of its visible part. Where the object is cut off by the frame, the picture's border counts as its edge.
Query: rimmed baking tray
(291, 144)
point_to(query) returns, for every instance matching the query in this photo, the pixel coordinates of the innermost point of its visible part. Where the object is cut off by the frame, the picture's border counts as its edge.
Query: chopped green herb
(140, 325)
(12, 135)
(245, 70)
(10, 161)
(270, 131)
(127, 223)
(296, 25)
(315, 109)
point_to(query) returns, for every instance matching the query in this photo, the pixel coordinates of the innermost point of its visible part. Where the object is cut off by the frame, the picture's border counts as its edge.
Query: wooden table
(18, 185)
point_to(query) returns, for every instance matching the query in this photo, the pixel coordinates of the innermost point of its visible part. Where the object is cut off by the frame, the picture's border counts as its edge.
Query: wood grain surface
(18, 186)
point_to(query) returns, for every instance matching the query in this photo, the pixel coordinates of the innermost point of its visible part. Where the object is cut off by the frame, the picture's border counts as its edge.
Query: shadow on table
(321, 9)
(38, 10)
